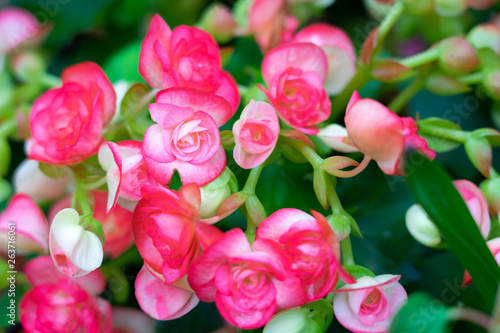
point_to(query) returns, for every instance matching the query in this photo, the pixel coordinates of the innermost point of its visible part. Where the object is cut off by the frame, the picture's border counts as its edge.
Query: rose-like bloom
(247, 282)
(255, 134)
(294, 74)
(130, 320)
(162, 301)
(185, 57)
(30, 180)
(477, 204)
(335, 137)
(339, 51)
(75, 251)
(382, 135)
(370, 304)
(312, 246)
(164, 227)
(63, 307)
(17, 27)
(186, 137)
(67, 122)
(27, 223)
(125, 171)
(271, 23)
(494, 247)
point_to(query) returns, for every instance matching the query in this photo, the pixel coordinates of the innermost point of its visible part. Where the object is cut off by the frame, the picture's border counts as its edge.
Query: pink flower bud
(185, 57)
(186, 137)
(23, 223)
(295, 74)
(75, 251)
(30, 180)
(162, 301)
(491, 190)
(339, 51)
(255, 134)
(381, 135)
(476, 202)
(458, 57)
(335, 137)
(67, 122)
(494, 247)
(218, 20)
(370, 304)
(485, 35)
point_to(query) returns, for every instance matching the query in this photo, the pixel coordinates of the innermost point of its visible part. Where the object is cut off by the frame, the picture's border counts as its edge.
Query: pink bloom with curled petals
(477, 204)
(164, 228)
(67, 122)
(247, 282)
(186, 136)
(369, 305)
(17, 27)
(162, 301)
(125, 171)
(382, 135)
(294, 74)
(255, 134)
(185, 57)
(312, 246)
(494, 247)
(27, 219)
(339, 51)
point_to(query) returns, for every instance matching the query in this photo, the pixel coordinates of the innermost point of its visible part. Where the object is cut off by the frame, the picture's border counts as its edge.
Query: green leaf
(118, 285)
(5, 155)
(123, 64)
(422, 313)
(53, 171)
(227, 140)
(434, 190)
(5, 190)
(479, 152)
(133, 102)
(492, 135)
(96, 228)
(320, 187)
(427, 129)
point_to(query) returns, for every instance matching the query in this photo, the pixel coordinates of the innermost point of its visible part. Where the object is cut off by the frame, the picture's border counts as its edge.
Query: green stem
(252, 179)
(450, 134)
(472, 316)
(406, 95)
(333, 198)
(339, 103)
(389, 20)
(347, 256)
(422, 58)
(474, 78)
(8, 127)
(50, 81)
(310, 154)
(96, 184)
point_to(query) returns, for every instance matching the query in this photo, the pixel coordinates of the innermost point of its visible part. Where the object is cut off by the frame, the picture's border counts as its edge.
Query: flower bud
(28, 66)
(458, 57)
(485, 35)
(491, 190)
(418, 7)
(29, 179)
(218, 20)
(292, 321)
(450, 8)
(491, 82)
(421, 227)
(341, 225)
(214, 194)
(445, 85)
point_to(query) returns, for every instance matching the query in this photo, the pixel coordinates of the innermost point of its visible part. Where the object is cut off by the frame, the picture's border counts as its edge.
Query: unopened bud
(214, 194)
(458, 57)
(291, 321)
(218, 20)
(418, 7)
(341, 225)
(28, 66)
(450, 8)
(485, 35)
(421, 227)
(491, 82)
(491, 190)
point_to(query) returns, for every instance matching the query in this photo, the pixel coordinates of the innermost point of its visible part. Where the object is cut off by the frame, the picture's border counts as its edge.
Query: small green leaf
(53, 171)
(434, 190)
(320, 187)
(492, 135)
(227, 140)
(96, 228)
(386, 70)
(479, 152)
(429, 130)
(133, 102)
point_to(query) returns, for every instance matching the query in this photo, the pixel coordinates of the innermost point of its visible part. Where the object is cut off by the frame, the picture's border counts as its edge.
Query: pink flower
(162, 301)
(130, 320)
(247, 282)
(477, 204)
(164, 227)
(294, 74)
(186, 57)
(25, 221)
(255, 134)
(62, 307)
(186, 137)
(271, 23)
(17, 27)
(494, 247)
(369, 305)
(312, 246)
(125, 171)
(381, 135)
(67, 122)
(339, 51)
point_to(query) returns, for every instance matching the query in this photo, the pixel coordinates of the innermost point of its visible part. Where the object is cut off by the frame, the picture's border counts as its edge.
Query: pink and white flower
(28, 225)
(125, 171)
(255, 134)
(339, 51)
(477, 204)
(67, 122)
(370, 304)
(313, 249)
(382, 135)
(294, 74)
(186, 136)
(185, 57)
(247, 282)
(494, 247)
